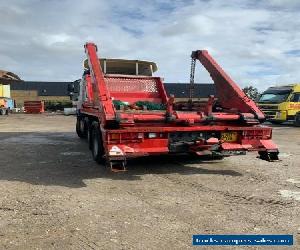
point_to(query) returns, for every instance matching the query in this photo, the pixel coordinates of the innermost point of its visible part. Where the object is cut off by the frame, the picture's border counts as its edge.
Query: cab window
(295, 97)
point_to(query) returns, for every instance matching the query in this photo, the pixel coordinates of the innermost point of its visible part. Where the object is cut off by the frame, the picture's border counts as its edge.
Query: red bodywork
(200, 130)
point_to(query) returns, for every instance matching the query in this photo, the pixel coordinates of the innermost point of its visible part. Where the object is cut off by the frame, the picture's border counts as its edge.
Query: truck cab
(80, 91)
(281, 104)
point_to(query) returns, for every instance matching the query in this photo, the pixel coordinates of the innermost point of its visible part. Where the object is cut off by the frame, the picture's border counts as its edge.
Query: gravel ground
(53, 196)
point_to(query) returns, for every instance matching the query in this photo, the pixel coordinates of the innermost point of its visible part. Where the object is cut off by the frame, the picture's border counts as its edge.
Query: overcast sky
(256, 42)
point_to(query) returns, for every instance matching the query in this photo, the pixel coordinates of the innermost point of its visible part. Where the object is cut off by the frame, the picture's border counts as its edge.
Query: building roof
(8, 75)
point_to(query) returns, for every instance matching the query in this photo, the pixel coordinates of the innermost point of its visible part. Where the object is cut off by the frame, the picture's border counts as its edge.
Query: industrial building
(22, 91)
(181, 90)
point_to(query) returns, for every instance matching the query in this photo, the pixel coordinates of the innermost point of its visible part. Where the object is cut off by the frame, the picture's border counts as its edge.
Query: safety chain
(192, 78)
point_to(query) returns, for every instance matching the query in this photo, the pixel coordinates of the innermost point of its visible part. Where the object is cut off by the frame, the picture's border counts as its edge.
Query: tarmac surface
(54, 196)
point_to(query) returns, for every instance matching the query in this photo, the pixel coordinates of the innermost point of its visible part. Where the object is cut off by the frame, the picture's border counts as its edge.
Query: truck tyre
(89, 135)
(297, 120)
(81, 128)
(97, 144)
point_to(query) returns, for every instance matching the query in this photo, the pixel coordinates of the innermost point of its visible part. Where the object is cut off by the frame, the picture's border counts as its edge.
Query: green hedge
(57, 105)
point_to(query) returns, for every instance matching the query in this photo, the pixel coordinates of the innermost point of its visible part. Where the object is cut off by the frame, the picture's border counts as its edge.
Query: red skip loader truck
(124, 112)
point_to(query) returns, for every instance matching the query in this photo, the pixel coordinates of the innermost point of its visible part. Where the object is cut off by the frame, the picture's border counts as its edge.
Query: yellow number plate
(229, 136)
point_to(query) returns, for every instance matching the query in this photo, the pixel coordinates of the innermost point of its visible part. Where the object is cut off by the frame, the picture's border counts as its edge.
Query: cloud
(256, 42)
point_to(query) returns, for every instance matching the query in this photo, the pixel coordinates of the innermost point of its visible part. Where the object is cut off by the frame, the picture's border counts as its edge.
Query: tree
(251, 92)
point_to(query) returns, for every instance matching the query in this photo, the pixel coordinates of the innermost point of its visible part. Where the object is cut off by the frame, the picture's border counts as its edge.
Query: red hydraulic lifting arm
(89, 88)
(100, 95)
(228, 92)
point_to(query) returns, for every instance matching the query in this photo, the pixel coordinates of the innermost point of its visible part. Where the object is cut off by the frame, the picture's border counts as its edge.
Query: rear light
(257, 134)
(115, 136)
(134, 136)
(121, 137)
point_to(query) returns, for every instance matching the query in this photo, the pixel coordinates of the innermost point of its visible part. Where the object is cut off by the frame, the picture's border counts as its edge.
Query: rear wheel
(297, 119)
(81, 128)
(89, 136)
(97, 144)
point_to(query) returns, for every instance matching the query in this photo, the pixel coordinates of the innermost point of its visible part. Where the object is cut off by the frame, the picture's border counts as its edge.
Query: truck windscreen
(274, 97)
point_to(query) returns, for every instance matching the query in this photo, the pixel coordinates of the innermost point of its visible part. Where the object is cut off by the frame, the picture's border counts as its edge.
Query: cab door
(294, 105)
